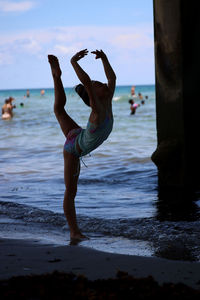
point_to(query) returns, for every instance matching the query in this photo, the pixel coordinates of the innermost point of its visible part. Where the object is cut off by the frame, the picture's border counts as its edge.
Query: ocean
(117, 203)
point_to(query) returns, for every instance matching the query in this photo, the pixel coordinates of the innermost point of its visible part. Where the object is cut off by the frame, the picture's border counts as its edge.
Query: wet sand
(28, 257)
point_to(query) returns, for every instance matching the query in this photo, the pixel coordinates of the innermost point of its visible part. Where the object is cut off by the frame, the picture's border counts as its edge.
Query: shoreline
(21, 257)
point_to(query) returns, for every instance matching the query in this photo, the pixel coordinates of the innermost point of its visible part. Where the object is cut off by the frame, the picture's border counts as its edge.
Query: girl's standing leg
(71, 175)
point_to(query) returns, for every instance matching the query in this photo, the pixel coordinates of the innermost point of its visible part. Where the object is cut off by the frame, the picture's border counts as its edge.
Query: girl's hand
(99, 54)
(79, 55)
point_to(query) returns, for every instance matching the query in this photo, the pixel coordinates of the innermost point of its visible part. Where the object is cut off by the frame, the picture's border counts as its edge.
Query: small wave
(116, 98)
(161, 235)
(120, 176)
(121, 98)
(31, 214)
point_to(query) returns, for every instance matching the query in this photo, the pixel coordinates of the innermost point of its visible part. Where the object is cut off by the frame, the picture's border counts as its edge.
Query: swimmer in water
(133, 106)
(79, 141)
(7, 109)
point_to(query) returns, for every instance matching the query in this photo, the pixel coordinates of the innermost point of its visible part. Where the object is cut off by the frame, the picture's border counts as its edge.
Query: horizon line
(68, 87)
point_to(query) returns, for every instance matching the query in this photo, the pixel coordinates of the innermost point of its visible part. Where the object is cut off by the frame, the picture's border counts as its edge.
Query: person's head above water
(11, 99)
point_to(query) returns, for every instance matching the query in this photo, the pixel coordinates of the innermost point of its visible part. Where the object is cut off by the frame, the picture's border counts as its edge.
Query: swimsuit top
(94, 135)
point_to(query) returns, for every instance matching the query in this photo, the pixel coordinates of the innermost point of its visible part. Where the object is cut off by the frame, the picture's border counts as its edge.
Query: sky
(30, 30)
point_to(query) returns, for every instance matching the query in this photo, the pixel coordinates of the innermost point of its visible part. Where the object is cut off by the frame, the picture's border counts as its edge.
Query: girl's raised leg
(66, 123)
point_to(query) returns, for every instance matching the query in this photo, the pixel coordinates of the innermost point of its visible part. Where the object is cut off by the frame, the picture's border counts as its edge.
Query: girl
(80, 142)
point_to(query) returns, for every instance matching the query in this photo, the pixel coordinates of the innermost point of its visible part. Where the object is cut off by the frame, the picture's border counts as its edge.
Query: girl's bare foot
(55, 67)
(77, 238)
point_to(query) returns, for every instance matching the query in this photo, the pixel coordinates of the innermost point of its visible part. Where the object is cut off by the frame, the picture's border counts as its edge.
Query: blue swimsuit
(89, 138)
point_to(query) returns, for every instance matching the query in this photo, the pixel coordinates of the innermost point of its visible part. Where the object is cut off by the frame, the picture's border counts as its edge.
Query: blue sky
(29, 30)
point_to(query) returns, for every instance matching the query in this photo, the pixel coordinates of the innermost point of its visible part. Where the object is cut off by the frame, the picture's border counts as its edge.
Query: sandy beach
(28, 257)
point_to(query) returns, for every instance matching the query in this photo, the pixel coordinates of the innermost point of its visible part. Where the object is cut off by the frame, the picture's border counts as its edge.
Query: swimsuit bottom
(6, 116)
(70, 144)
(89, 138)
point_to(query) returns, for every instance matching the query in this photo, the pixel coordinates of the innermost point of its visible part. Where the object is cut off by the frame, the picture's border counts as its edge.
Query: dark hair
(131, 101)
(80, 89)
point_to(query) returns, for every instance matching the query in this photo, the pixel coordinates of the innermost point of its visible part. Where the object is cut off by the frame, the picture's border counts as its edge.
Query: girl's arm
(83, 77)
(110, 74)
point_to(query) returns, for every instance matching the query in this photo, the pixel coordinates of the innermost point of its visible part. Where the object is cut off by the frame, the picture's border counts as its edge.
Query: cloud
(64, 50)
(132, 41)
(11, 49)
(128, 48)
(5, 58)
(11, 6)
(67, 40)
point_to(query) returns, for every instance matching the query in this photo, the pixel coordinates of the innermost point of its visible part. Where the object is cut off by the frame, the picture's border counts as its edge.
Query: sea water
(117, 200)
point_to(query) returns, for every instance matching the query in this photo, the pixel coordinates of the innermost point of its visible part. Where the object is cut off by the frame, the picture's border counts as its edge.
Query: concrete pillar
(177, 63)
